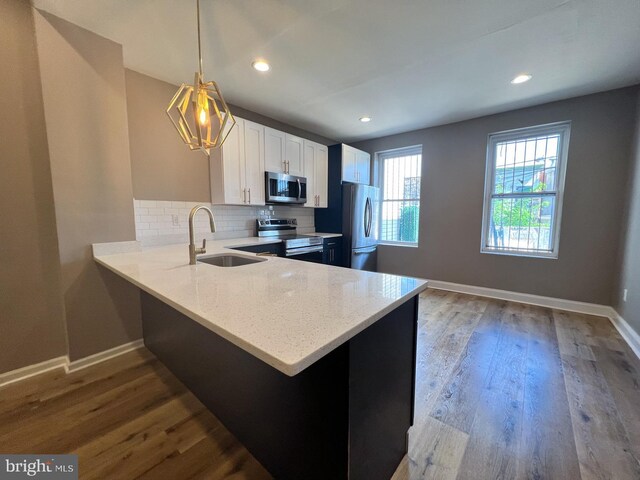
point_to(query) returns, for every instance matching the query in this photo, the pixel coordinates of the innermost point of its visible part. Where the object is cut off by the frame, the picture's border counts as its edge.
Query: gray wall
(452, 200)
(629, 276)
(86, 118)
(31, 310)
(163, 168)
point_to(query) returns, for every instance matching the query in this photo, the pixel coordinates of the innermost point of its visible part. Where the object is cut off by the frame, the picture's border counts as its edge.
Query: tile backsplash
(160, 222)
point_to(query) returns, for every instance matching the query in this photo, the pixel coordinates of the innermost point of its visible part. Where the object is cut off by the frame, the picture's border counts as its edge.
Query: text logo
(49, 467)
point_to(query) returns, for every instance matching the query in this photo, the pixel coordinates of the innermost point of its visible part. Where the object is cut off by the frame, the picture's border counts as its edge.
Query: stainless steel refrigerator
(360, 213)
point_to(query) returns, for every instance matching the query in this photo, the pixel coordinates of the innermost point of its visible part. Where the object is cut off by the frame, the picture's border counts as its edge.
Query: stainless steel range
(300, 247)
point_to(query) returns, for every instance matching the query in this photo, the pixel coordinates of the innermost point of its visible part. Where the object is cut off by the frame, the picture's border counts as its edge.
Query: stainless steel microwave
(282, 188)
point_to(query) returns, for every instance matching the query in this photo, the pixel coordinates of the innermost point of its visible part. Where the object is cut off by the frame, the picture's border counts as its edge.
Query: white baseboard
(629, 334)
(63, 362)
(99, 357)
(549, 302)
(32, 370)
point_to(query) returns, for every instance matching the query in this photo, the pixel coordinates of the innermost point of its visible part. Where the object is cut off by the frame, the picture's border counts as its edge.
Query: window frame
(379, 177)
(564, 130)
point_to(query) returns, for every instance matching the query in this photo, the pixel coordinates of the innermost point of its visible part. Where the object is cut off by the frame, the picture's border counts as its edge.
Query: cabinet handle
(249, 196)
(244, 195)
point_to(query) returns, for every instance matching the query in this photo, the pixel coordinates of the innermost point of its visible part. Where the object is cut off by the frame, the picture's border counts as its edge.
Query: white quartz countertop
(288, 313)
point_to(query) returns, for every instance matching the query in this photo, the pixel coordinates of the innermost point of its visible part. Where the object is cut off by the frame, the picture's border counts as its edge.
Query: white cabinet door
(274, 150)
(349, 171)
(363, 167)
(294, 155)
(310, 149)
(254, 162)
(322, 176)
(233, 173)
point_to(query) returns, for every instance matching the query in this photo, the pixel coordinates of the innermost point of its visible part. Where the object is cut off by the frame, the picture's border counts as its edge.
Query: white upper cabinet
(349, 170)
(294, 155)
(363, 167)
(283, 153)
(237, 168)
(274, 150)
(356, 165)
(316, 170)
(254, 162)
(227, 168)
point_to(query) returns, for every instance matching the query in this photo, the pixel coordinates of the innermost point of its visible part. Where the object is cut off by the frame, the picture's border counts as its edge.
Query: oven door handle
(300, 251)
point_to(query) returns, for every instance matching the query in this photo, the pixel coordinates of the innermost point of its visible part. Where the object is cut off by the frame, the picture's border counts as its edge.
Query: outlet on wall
(624, 295)
(175, 220)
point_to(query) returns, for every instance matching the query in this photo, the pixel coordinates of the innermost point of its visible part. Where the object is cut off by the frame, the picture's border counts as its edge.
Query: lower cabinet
(332, 254)
(267, 249)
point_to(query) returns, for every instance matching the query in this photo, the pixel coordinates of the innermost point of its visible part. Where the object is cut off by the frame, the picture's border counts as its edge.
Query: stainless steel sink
(227, 260)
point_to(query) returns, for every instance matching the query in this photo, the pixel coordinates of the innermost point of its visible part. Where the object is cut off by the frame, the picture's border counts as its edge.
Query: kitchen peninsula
(311, 366)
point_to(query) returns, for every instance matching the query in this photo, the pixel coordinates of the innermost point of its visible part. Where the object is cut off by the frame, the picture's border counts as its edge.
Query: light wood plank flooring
(504, 390)
(126, 418)
(512, 391)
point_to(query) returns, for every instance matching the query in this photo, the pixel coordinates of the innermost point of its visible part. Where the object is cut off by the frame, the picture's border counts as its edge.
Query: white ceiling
(407, 63)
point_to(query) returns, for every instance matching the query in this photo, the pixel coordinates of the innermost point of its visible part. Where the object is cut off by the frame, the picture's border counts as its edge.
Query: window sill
(542, 256)
(398, 244)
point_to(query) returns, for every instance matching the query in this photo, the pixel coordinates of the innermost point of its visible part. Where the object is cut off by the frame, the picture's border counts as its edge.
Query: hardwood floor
(512, 391)
(504, 390)
(126, 418)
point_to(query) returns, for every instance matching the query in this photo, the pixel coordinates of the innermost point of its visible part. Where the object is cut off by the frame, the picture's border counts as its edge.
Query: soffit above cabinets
(407, 64)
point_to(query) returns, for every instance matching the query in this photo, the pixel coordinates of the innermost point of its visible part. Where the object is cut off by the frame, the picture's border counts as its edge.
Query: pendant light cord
(199, 43)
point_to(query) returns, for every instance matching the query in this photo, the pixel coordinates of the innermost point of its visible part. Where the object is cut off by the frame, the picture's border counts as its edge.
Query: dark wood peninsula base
(344, 417)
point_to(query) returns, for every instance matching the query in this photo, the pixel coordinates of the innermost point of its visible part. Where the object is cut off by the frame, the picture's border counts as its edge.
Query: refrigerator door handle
(370, 215)
(361, 252)
(366, 217)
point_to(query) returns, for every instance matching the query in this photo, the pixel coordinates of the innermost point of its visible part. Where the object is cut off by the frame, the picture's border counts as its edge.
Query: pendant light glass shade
(199, 113)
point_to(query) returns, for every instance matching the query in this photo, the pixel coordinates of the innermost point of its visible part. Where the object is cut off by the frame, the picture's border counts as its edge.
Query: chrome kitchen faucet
(193, 250)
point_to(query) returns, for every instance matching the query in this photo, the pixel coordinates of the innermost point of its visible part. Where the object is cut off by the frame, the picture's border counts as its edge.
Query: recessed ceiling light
(524, 77)
(261, 65)
(365, 119)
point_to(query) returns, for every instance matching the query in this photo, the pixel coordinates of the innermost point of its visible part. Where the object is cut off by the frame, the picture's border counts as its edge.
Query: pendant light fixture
(199, 113)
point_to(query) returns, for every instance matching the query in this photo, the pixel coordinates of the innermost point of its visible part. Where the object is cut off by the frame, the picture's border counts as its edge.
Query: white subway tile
(148, 203)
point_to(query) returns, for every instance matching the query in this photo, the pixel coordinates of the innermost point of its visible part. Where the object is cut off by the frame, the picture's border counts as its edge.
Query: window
(523, 190)
(400, 171)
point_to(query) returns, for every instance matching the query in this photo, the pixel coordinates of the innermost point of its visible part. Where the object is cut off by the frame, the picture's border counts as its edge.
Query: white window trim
(379, 173)
(564, 129)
